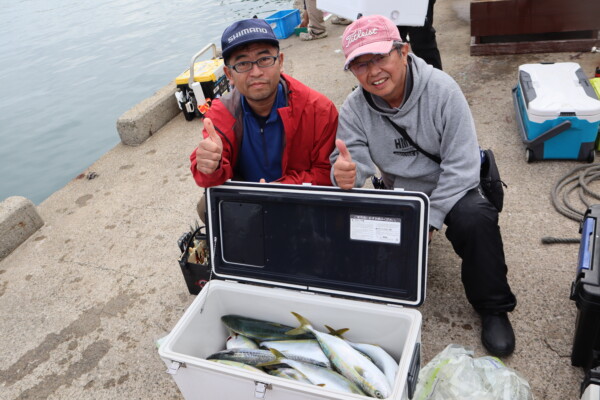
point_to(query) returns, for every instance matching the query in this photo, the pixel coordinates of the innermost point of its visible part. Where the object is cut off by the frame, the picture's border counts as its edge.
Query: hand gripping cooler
(557, 110)
(348, 259)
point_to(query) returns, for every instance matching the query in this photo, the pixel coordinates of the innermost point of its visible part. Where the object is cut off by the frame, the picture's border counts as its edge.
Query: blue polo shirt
(262, 142)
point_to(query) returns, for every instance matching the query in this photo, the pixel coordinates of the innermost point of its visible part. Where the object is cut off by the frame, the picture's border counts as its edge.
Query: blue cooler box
(558, 112)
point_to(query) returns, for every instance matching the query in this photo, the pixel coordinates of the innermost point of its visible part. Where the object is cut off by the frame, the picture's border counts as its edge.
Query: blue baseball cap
(245, 32)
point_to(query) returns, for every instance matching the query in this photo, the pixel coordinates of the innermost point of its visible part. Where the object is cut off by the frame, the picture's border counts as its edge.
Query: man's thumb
(344, 153)
(212, 133)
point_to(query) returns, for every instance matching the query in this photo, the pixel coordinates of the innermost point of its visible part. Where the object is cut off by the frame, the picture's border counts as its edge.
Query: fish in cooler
(319, 376)
(306, 347)
(258, 356)
(260, 330)
(304, 354)
(239, 365)
(348, 361)
(237, 341)
(376, 354)
(289, 373)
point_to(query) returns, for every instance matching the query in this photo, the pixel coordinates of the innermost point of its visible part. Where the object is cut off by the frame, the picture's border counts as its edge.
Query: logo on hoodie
(404, 148)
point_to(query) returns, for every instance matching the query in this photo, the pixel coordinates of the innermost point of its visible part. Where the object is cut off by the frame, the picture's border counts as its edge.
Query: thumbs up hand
(344, 169)
(208, 153)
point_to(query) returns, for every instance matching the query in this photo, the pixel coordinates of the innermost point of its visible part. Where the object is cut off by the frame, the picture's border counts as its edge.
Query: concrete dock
(86, 296)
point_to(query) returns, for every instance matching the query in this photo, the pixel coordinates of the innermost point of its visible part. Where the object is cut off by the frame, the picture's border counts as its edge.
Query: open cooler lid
(360, 243)
(556, 90)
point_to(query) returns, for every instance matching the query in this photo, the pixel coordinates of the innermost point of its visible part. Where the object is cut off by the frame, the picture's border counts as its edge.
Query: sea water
(69, 69)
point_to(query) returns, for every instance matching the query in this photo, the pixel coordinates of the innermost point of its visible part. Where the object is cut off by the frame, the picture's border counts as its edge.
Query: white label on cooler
(198, 93)
(375, 229)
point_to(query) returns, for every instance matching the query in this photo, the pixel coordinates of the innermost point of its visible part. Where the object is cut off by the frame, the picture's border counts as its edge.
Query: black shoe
(497, 334)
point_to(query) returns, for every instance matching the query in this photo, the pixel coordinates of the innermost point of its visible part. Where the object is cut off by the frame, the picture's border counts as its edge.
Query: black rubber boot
(497, 334)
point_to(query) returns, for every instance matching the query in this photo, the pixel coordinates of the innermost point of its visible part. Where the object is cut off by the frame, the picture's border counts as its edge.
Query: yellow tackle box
(200, 84)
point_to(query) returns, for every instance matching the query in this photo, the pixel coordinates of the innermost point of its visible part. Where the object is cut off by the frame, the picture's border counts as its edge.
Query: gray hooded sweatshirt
(436, 116)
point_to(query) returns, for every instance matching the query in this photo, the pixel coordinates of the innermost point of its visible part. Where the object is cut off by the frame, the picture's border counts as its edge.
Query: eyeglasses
(362, 67)
(263, 62)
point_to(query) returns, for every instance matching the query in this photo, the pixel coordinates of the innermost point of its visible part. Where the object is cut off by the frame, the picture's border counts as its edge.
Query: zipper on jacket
(264, 145)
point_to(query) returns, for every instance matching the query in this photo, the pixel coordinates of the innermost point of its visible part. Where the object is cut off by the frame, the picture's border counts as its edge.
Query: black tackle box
(585, 291)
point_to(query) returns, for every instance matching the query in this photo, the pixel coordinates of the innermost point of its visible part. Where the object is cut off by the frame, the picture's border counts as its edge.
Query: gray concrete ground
(84, 298)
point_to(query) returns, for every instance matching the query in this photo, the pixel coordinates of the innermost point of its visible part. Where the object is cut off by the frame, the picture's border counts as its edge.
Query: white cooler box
(400, 12)
(347, 259)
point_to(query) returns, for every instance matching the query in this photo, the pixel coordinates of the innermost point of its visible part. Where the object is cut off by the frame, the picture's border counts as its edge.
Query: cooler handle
(550, 133)
(413, 371)
(586, 244)
(585, 84)
(198, 54)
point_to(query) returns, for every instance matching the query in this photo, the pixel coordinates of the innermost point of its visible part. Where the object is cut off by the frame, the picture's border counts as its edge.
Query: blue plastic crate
(283, 22)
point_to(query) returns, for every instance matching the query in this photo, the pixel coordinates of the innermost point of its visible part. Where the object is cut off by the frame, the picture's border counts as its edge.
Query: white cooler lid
(360, 243)
(400, 12)
(558, 88)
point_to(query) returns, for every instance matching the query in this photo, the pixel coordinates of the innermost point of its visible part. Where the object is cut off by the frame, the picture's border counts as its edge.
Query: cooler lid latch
(260, 389)
(174, 367)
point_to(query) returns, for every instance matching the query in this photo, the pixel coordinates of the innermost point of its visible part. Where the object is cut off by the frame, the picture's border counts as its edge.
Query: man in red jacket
(271, 127)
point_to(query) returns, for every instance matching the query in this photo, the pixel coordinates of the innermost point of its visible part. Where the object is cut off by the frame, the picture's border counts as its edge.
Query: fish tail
(337, 332)
(277, 361)
(303, 328)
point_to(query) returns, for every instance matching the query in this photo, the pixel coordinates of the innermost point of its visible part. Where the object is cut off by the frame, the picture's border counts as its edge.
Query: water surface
(69, 69)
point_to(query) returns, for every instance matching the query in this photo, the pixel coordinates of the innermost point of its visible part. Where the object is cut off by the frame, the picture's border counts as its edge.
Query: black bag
(490, 181)
(489, 176)
(195, 259)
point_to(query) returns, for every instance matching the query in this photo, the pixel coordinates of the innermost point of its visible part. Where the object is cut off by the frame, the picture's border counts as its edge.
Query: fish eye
(378, 394)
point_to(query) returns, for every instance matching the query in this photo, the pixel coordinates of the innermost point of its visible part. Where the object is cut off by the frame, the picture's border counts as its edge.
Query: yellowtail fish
(348, 361)
(237, 341)
(260, 330)
(379, 356)
(319, 376)
(289, 373)
(306, 347)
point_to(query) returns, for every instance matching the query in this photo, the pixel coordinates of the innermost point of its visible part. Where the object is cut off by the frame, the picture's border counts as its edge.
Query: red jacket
(309, 120)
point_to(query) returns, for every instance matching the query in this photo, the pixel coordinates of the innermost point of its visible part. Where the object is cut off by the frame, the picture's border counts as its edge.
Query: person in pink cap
(413, 123)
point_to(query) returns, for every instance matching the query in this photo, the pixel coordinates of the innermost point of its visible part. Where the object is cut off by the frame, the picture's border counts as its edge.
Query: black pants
(472, 228)
(422, 39)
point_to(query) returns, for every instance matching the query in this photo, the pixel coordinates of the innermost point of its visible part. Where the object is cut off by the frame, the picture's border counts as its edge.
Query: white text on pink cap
(359, 33)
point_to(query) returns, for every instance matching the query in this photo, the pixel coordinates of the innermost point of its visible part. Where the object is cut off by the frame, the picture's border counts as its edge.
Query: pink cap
(372, 34)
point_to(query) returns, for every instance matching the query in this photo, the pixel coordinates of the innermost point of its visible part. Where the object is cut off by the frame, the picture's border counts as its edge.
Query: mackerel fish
(239, 365)
(258, 356)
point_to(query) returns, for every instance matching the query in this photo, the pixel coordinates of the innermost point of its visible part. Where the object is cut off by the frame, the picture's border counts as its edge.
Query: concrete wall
(19, 219)
(146, 118)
